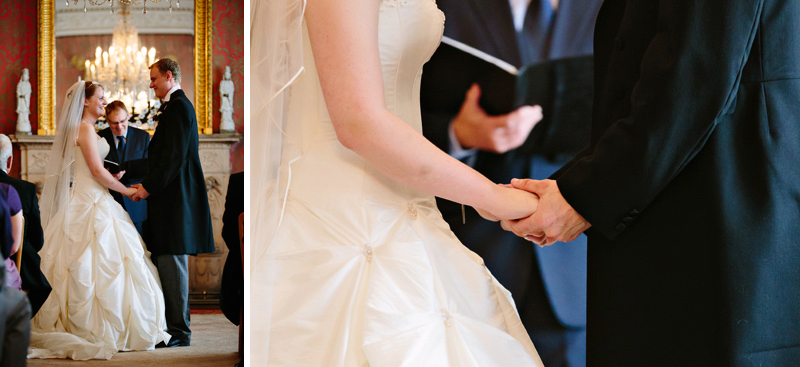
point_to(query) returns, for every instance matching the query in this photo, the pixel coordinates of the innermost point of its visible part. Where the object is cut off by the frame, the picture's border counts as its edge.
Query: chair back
(21, 246)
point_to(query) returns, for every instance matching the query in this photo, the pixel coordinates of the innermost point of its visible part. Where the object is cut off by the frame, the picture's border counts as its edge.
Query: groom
(691, 184)
(178, 218)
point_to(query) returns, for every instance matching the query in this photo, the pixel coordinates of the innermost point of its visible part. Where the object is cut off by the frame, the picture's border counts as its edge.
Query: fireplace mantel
(205, 270)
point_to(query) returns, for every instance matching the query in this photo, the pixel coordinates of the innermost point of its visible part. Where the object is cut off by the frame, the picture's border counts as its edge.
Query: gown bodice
(409, 31)
(83, 176)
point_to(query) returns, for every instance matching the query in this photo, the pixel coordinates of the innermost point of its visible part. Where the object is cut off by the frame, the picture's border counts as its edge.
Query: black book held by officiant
(562, 87)
(133, 168)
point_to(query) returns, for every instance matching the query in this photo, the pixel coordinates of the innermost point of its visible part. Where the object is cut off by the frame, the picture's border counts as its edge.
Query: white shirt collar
(116, 140)
(123, 135)
(169, 94)
(519, 8)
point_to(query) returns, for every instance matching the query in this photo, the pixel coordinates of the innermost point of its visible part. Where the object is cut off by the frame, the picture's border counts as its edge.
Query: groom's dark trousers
(692, 185)
(178, 218)
(548, 285)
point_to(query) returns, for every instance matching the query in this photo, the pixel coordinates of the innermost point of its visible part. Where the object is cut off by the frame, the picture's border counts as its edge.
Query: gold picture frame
(46, 56)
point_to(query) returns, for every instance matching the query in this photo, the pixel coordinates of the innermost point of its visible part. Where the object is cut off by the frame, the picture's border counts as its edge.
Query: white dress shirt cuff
(456, 150)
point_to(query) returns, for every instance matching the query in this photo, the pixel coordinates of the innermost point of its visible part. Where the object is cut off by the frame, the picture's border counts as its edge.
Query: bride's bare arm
(344, 40)
(87, 140)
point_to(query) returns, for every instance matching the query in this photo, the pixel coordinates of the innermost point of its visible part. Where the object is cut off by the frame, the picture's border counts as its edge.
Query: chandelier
(124, 3)
(124, 68)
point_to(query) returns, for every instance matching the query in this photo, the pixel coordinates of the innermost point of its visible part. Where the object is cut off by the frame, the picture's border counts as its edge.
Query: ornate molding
(202, 65)
(225, 146)
(38, 162)
(71, 20)
(47, 45)
(212, 161)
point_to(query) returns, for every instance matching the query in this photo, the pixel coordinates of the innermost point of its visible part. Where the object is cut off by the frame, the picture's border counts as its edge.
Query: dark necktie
(534, 40)
(121, 148)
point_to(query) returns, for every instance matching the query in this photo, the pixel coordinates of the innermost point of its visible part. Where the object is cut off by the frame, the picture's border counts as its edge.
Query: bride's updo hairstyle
(91, 88)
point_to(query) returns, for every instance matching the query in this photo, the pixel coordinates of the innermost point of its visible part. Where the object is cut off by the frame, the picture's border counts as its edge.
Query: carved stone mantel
(205, 270)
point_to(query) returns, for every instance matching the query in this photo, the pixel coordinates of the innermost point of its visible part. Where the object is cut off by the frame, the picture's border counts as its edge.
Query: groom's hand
(554, 219)
(140, 194)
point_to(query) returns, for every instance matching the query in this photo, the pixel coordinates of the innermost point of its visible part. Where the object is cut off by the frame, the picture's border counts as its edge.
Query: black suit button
(620, 226)
(627, 220)
(618, 44)
(633, 212)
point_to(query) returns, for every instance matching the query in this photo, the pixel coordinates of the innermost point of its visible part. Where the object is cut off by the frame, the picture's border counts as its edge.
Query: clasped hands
(552, 220)
(138, 193)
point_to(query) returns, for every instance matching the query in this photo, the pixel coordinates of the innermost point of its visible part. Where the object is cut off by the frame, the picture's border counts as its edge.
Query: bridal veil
(60, 169)
(276, 62)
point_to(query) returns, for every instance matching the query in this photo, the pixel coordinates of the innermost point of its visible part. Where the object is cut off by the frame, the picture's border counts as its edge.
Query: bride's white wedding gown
(106, 294)
(363, 271)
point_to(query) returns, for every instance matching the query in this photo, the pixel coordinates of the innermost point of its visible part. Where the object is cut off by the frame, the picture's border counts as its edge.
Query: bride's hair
(91, 88)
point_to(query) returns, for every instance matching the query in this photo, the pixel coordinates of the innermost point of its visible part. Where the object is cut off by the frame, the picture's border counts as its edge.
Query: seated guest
(129, 152)
(232, 289)
(33, 281)
(231, 295)
(15, 312)
(11, 197)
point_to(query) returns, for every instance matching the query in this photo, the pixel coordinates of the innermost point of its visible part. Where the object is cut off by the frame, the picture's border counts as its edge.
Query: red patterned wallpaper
(228, 50)
(18, 48)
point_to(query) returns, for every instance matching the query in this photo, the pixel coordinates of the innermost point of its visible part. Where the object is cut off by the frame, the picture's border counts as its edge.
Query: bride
(352, 264)
(106, 294)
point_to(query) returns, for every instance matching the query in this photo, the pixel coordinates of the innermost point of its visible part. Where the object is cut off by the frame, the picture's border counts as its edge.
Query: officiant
(127, 158)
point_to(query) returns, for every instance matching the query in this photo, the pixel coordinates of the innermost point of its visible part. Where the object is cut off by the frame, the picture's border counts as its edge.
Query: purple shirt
(12, 198)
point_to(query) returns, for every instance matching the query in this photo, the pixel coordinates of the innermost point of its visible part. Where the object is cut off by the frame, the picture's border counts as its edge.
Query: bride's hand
(129, 191)
(510, 203)
(118, 175)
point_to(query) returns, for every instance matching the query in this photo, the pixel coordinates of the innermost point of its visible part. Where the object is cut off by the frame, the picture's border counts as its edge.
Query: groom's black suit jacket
(178, 216)
(33, 281)
(692, 184)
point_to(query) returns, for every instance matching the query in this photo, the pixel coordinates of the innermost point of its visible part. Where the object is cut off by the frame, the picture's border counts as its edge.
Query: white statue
(226, 103)
(23, 104)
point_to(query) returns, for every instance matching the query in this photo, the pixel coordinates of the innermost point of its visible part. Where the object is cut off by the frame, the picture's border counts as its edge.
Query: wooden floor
(214, 343)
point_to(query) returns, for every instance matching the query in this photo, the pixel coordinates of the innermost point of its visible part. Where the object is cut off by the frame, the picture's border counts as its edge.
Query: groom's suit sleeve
(687, 81)
(168, 154)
